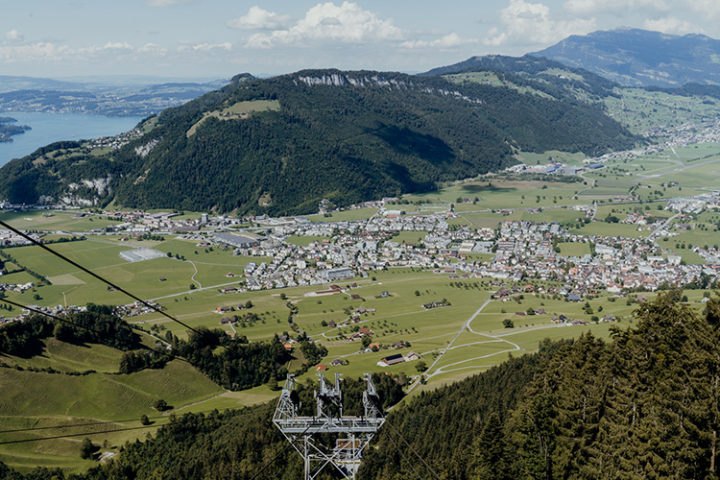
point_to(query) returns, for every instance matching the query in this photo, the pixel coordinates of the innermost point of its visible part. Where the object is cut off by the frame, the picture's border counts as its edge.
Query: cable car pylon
(328, 438)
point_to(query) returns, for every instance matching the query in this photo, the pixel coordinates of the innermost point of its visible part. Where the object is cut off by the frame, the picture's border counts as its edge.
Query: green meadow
(189, 278)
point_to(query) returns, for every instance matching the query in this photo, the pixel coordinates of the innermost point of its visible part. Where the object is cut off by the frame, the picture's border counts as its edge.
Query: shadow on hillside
(408, 142)
(487, 189)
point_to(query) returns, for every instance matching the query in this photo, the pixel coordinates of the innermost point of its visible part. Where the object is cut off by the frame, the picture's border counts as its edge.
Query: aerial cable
(50, 315)
(407, 460)
(69, 322)
(95, 275)
(414, 451)
(70, 435)
(75, 425)
(282, 452)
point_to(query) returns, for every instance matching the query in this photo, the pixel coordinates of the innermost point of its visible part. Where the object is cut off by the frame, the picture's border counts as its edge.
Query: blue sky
(219, 38)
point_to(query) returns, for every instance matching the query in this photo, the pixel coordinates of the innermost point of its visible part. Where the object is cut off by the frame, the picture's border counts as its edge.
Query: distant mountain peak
(636, 57)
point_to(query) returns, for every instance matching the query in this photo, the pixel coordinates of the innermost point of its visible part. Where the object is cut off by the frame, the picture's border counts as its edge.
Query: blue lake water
(52, 127)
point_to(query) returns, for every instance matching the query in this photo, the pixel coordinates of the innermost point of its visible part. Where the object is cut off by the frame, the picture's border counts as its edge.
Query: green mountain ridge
(281, 145)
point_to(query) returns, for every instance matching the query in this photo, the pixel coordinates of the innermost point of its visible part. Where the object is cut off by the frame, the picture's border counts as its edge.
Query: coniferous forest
(644, 405)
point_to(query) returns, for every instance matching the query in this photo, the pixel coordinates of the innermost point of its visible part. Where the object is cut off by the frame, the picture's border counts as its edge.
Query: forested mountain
(553, 77)
(643, 406)
(634, 57)
(281, 145)
(532, 76)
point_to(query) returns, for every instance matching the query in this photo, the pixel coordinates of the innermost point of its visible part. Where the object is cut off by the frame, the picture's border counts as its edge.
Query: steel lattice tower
(309, 435)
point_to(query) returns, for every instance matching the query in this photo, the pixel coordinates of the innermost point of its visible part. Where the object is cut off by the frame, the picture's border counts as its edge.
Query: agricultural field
(54, 221)
(497, 193)
(551, 156)
(465, 332)
(561, 215)
(409, 237)
(631, 108)
(344, 215)
(454, 341)
(35, 405)
(610, 229)
(237, 111)
(571, 249)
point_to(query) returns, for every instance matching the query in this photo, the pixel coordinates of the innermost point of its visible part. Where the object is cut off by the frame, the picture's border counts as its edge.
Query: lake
(52, 127)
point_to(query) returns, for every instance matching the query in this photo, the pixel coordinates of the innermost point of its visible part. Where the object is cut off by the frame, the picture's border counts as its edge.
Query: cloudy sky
(219, 38)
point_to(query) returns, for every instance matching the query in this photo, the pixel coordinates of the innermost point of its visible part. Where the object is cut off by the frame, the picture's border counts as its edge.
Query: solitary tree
(87, 449)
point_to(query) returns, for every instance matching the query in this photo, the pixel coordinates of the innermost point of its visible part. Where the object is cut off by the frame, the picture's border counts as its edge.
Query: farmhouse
(391, 360)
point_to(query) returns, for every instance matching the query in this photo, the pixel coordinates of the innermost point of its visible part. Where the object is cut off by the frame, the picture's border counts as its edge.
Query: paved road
(662, 226)
(680, 169)
(466, 326)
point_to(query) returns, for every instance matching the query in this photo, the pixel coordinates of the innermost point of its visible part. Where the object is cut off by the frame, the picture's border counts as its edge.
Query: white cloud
(259, 19)
(33, 51)
(205, 47)
(51, 52)
(448, 41)
(708, 8)
(164, 3)
(525, 23)
(152, 49)
(347, 23)
(671, 25)
(618, 7)
(14, 35)
(115, 47)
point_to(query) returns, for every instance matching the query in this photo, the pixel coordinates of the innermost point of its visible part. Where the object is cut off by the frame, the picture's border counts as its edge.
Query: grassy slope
(32, 399)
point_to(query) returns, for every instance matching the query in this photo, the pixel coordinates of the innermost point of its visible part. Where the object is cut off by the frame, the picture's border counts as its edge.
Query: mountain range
(281, 145)
(634, 57)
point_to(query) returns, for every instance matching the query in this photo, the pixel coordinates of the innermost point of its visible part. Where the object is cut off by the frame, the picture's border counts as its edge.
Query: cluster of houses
(136, 308)
(58, 311)
(11, 239)
(617, 263)
(116, 142)
(16, 287)
(521, 249)
(695, 204)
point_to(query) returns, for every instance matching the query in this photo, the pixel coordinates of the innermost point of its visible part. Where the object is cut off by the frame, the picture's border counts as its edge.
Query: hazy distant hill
(28, 94)
(281, 145)
(634, 57)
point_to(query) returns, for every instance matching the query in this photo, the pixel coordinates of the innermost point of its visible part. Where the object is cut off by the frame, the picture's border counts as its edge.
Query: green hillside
(534, 75)
(643, 405)
(281, 145)
(640, 110)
